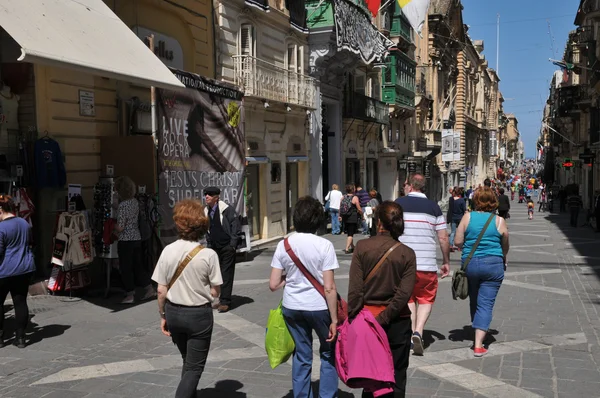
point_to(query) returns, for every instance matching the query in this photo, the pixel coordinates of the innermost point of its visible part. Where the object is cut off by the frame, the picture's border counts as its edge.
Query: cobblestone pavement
(544, 339)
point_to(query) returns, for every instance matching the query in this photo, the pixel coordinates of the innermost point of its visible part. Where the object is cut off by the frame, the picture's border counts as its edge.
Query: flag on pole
(415, 11)
(373, 6)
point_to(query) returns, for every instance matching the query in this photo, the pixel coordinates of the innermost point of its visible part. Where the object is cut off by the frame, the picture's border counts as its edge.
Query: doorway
(253, 200)
(353, 171)
(372, 174)
(291, 182)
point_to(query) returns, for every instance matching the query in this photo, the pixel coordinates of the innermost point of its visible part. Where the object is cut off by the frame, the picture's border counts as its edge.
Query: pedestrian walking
(503, 204)
(542, 200)
(223, 236)
(189, 280)
(487, 250)
(16, 268)
(304, 309)
(530, 208)
(574, 203)
(351, 213)
(423, 222)
(371, 212)
(364, 198)
(385, 290)
(459, 208)
(129, 247)
(334, 197)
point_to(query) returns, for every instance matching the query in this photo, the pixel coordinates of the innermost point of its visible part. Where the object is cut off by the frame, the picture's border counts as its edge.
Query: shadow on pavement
(34, 332)
(431, 336)
(238, 301)
(315, 387)
(468, 334)
(222, 389)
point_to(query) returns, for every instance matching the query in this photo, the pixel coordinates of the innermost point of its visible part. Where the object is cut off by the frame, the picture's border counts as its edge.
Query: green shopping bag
(278, 341)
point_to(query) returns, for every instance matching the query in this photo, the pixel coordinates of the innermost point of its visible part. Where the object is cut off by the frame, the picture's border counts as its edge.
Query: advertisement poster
(456, 146)
(447, 145)
(200, 144)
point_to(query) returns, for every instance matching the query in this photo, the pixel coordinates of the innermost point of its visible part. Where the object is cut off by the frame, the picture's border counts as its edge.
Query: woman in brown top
(387, 292)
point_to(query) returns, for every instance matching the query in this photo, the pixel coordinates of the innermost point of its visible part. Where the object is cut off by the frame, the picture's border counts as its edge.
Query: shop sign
(200, 144)
(412, 167)
(352, 150)
(371, 150)
(166, 48)
(450, 145)
(426, 169)
(87, 103)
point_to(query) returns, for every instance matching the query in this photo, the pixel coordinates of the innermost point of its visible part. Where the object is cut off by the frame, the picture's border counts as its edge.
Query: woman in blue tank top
(485, 271)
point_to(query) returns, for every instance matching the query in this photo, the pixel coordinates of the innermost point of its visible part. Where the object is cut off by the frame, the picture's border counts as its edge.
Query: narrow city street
(544, 338)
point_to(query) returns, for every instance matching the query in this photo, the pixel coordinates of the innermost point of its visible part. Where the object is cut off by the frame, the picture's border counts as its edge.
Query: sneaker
(479, 352)
(150, 294)
(417, 343)
(129, 299)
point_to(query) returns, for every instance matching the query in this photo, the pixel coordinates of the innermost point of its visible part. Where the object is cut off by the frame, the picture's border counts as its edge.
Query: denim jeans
(301, 325)
(363, 222)
(485, 275)
(335, 221)
(191, 330)
(453, 226)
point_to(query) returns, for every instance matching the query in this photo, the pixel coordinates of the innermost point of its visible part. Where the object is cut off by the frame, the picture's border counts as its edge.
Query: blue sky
(525, 46)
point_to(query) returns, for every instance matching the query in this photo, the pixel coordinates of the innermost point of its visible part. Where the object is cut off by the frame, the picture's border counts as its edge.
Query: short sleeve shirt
(127, 218)
(318, 255)
(192, 288)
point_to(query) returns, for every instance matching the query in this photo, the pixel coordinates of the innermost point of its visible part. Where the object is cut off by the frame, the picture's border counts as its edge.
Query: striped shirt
(422, 219)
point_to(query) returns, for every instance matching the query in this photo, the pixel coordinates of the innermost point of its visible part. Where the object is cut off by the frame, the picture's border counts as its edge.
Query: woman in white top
(185, 302)
(335, 198)
(304, 309)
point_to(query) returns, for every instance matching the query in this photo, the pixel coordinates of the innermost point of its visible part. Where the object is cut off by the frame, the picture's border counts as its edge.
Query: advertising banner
(447, 145)
(200, 144)
(456, 146)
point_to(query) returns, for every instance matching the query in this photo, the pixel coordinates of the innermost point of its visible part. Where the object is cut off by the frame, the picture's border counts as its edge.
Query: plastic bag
(279, 343)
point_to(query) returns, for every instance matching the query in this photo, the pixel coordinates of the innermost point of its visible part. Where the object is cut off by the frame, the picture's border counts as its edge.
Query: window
(359, 83)
(247, 40)
(373, 87)
(295, 58)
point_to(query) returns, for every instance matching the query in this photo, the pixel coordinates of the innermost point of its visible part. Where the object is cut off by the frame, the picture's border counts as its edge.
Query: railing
(583, 35)
(401, 28)
(261, 79)
(361, 107)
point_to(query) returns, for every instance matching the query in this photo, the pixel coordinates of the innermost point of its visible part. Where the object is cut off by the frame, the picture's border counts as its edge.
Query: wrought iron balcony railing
(583, 35)
(361, 107)
(264, 80)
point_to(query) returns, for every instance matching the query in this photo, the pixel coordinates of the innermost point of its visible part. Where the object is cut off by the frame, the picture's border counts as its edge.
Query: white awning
(83, 35)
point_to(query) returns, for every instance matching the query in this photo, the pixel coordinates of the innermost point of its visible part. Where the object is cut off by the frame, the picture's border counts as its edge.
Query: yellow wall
(57, 95)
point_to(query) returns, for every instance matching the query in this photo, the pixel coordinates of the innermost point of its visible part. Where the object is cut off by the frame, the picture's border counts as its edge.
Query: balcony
(263, 4)
(401, 28)
(298, 14)
(398, 83)
(583, 35)
(361, 107)
(434, 139)
(261, 79)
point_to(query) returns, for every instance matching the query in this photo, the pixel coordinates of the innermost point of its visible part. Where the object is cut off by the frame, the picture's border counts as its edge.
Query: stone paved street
(544, 341)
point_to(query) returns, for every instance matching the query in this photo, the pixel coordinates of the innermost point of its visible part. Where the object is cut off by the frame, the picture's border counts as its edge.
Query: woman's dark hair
(501, 190)
(350, 188)
(7, 204)
(308, 215)
(391, 217)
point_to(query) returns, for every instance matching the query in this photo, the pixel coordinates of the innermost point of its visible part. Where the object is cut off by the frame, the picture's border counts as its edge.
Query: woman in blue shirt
(16, 267)
(485, 272)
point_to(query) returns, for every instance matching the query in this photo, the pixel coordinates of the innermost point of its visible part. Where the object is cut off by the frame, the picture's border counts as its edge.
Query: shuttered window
(247, 40)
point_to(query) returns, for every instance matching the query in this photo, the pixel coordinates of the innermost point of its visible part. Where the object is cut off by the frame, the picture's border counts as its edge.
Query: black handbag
(460, 284)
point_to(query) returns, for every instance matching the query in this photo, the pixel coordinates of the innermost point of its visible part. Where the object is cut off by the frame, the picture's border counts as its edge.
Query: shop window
(247, 40)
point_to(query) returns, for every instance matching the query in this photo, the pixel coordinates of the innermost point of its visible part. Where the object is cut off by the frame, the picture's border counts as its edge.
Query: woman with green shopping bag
(304, 309)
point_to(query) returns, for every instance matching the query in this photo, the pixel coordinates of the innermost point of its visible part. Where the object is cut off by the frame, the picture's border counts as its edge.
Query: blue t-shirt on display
(16, 257)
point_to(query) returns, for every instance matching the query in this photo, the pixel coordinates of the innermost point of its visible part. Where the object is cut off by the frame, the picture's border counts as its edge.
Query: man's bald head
(417, 182)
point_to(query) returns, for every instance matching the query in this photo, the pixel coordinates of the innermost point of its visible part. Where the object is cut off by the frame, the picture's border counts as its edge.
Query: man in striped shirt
(423, 221)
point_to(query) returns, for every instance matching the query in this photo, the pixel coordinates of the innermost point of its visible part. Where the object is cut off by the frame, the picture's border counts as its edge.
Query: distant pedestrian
(16, 268)
(364, 198)
(304, 309)
(575, 203)
(423, 222)
(485, 270)
(185, 297)
(503, 204)
(351, 213)
(542, 200)
(387, 292)
(530, 208)
(459, 208)
(223, 237)
(371, 213)
(335, 198)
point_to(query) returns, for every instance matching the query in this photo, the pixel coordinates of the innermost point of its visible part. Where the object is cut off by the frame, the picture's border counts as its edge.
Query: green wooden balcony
(320, 13)
(400, 25)
(398, 80)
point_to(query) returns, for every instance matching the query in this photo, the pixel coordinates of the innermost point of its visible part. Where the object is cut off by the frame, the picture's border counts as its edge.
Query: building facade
(262, 46)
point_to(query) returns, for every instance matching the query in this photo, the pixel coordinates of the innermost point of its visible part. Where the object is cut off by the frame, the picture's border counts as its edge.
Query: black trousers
(18, 287)
(574, 216)
(133, 272)
(191, 331)
(503, 213)
(399, 335)
(227, 263)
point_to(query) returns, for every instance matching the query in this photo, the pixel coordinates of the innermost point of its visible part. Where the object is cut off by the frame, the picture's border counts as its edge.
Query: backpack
(346, 205)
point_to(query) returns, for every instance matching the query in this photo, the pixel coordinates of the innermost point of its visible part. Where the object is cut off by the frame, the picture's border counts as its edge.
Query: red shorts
(426, 286)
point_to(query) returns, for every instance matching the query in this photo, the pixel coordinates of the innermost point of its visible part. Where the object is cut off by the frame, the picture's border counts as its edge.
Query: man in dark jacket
(223, 236)
(503, 204)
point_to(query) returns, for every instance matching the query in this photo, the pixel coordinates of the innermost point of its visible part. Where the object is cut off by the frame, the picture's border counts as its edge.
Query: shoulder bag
(460, 284)
(342, 305)
(381, 261)
(184, 264)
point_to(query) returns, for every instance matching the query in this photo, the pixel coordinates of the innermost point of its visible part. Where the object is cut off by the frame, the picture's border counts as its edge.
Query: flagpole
(384, 5)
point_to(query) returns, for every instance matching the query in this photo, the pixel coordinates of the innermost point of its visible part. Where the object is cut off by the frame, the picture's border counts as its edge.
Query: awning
(257, 159)
(83, 35)
(294, 159)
